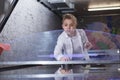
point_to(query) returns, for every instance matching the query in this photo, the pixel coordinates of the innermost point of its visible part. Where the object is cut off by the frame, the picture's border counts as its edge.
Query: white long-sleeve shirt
(67, 45)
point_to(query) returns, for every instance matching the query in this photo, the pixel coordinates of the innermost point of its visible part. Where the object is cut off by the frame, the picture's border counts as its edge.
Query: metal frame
(59, 62)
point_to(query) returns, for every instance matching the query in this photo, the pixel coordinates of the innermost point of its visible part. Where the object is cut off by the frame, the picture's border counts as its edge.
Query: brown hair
(70, 16)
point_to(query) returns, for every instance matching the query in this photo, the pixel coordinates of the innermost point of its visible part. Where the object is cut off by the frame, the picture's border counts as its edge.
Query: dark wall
(1, 7)
(112, 21)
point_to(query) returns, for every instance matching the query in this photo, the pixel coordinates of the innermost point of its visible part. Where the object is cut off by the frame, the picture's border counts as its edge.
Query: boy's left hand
(88, 45)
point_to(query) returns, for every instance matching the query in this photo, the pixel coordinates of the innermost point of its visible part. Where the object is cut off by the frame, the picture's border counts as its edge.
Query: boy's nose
(69, 27)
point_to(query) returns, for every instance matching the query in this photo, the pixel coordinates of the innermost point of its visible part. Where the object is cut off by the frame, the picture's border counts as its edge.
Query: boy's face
(69, 26)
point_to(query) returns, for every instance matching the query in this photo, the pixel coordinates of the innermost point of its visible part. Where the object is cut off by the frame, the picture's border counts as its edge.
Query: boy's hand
(64, 58)
(88, 45)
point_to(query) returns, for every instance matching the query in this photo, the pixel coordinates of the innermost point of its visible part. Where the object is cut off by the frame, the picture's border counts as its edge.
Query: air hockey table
(104, 65)
(31, 58)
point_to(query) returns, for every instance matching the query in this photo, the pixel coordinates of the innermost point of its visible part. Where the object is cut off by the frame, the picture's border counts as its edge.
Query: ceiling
(83, 7)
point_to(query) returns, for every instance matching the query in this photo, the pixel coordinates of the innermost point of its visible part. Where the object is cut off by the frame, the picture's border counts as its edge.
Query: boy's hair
(70, 16)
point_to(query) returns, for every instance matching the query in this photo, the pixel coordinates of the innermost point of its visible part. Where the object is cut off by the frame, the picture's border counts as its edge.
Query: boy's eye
(65, 24)
(71, 25)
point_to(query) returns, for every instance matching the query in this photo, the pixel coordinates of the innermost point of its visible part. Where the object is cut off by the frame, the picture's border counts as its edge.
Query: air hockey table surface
(31, 58)
(105, 65)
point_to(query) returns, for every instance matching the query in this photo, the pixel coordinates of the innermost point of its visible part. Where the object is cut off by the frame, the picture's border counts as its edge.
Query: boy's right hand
(64, 58)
